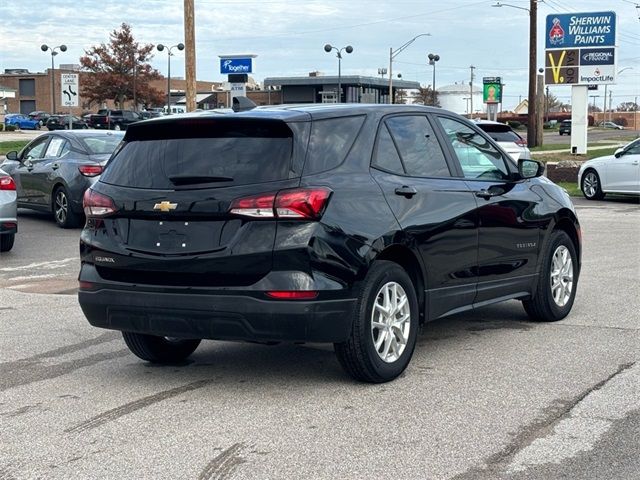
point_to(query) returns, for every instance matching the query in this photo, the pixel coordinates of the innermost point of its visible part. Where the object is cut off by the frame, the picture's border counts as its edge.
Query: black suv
(348, 224)
(565, 127)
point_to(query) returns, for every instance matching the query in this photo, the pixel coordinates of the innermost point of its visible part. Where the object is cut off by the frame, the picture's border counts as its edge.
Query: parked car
(147, 114)
(613, 125)
(345, 224)
(113, 119)
(61, 122)
(565, 127)
(8, 216)
(21, 121)
(39, 115)
(507, 138)
(53, 171)
(618, 173)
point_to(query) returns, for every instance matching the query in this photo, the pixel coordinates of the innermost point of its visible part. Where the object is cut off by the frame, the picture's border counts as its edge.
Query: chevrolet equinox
(346, 224)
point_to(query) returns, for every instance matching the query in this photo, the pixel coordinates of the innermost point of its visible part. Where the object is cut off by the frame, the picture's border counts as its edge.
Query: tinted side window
(386, 156)
(330, 142)
(477, 157)
(418, 146)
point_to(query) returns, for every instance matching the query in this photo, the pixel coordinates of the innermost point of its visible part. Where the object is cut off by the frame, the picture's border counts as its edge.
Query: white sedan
(617, 173)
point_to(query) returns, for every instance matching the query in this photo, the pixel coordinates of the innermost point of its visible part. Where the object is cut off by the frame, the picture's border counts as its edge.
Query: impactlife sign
(580, 49)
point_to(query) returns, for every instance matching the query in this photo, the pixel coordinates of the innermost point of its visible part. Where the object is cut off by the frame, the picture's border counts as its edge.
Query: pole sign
(580, 49)
(69, 90)
(236, 65)
(492, 90)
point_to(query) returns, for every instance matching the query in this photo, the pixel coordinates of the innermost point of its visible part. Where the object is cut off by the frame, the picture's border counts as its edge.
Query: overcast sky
(288, 36)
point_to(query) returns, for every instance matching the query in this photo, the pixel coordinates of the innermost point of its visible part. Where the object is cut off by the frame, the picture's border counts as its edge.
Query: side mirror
(618, 153)
(12, 155)
(528, 168)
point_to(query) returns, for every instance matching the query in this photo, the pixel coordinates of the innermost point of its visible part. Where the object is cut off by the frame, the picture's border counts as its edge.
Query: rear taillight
(90, 170)
(300, 203)
(7, 183)
(522, 142)
(97, 205)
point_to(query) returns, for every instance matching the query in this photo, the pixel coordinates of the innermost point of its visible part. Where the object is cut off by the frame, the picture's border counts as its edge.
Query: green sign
(492, 93)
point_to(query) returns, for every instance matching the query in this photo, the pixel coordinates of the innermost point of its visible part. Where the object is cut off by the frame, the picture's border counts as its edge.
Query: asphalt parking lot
(488, 395)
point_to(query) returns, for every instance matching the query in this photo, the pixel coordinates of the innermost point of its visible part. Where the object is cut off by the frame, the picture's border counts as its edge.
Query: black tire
(64, 216)
(358, 355)
(6, 242)
(542, 307)
(159, 349)
(591, 186)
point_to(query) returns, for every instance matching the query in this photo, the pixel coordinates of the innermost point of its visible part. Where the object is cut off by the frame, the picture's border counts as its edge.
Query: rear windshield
(102, 144)
(229, 153)
(504, 136)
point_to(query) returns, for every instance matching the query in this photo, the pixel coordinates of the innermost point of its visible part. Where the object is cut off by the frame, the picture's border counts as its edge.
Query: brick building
(32, 91)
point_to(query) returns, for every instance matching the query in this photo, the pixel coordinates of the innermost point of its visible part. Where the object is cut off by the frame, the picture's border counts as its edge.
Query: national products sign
(580, 49)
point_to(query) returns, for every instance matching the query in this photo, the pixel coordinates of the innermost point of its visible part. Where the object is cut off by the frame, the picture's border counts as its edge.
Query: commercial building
(27, 91)
(317, 88)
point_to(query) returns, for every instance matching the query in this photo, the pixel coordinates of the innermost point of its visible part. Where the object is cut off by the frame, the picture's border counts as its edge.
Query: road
(488, 394)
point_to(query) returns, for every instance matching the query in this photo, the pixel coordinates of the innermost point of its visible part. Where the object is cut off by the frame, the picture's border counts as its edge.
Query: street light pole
(44, 48)
(432, 61)
(393, 54)
(161, 47)
(327, 48)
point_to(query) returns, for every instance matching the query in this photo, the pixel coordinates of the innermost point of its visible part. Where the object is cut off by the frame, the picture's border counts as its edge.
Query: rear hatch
(173, 183)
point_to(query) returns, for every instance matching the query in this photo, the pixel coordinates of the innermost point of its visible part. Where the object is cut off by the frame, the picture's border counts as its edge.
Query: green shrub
(10, 128)
(514, 124)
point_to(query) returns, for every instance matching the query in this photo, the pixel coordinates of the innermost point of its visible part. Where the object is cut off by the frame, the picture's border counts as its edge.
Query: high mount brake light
(299, 203)
(7, 183)
(90, 170)
(97, 205)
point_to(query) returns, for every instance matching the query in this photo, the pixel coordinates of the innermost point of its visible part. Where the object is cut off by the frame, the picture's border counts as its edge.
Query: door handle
(406, 191)
(486, 194)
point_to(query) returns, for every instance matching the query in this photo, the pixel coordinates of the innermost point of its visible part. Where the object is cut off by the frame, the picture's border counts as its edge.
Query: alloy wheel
(590, 184)
(561, 276)
(390, 322)
(61, 207)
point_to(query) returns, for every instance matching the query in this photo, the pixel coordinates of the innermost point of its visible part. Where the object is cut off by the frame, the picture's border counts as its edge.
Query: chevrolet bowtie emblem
(165, 206)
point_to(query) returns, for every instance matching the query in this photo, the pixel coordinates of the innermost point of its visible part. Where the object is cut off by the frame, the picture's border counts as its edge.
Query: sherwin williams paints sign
(580, 49)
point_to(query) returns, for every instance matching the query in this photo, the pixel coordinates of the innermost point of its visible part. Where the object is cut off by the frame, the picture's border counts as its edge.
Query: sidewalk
(595, 147)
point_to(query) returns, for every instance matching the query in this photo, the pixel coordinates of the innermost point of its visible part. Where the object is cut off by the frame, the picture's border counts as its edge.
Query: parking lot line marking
(50, 265)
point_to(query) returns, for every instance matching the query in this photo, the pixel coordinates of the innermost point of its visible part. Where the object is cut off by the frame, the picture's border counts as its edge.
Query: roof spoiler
(242, 104)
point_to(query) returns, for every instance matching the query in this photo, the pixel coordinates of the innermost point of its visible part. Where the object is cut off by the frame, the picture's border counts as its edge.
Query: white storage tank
(456, 98)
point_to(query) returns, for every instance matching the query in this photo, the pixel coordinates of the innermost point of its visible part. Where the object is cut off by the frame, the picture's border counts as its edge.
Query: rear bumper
(8, 227)
(218, 316)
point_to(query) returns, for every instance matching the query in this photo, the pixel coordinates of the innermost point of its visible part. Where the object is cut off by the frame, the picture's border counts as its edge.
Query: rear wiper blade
(193, 179)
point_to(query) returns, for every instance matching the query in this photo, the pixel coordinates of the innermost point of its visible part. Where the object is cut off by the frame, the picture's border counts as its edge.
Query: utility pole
(190, 54)
(610, 109)
(533, 42)
(472, 68)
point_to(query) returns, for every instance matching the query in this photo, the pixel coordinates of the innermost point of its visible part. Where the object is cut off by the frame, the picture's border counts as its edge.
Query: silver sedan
(8, 221)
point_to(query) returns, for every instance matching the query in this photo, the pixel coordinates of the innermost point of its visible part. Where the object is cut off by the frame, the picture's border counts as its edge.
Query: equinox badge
(165, 206)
